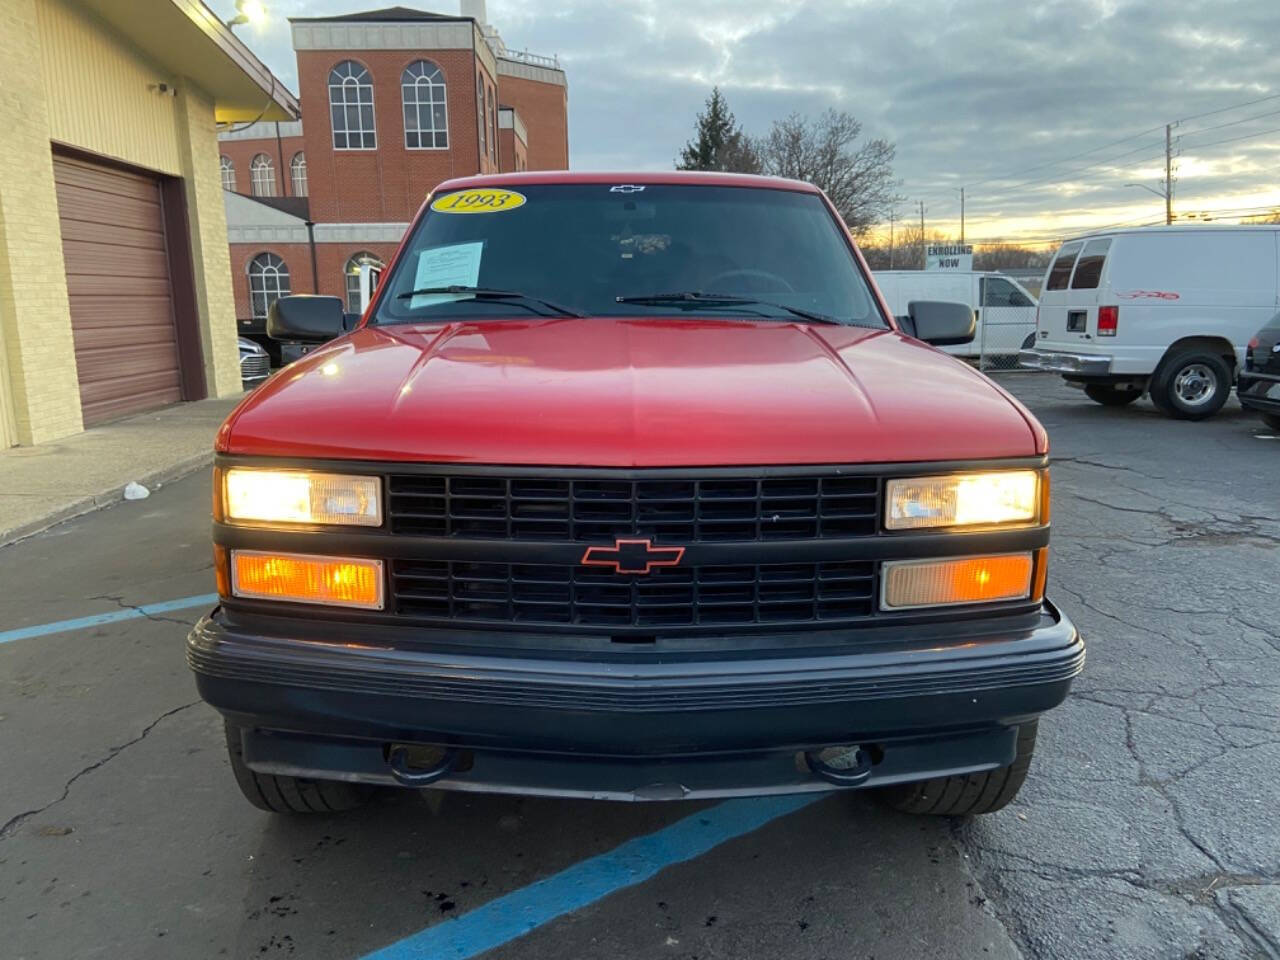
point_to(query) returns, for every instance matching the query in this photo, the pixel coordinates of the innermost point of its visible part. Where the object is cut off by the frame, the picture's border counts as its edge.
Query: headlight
(299, 496)
(960, 500)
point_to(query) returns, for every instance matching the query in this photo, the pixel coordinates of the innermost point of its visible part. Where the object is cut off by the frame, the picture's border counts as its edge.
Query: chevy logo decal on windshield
(627, 188)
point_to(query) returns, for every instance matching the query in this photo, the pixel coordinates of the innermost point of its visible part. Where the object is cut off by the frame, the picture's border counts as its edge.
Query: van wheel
(1191, 385)
(966, 796)
(279, 794)
(1109, 396)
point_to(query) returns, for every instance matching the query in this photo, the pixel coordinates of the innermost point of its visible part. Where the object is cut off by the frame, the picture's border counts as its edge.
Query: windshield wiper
(484, 293)
(697, 297)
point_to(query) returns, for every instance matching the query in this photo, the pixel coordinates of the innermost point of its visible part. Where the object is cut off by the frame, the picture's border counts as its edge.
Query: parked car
(255, 364)
(1259, 386)
(628, 486)
(1004, 308)
(1166, 311)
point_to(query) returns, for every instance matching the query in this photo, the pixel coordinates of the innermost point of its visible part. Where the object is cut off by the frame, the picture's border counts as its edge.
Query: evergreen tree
(719, 143)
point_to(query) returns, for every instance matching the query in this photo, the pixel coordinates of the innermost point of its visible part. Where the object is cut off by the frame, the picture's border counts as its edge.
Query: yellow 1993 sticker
(479, 200)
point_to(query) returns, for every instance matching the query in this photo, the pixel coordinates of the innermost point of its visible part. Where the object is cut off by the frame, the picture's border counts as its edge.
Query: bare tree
(858, 177)
(907, 252)
(1010, 257)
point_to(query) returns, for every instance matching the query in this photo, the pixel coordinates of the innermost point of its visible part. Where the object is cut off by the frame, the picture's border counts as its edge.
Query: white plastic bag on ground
(136, 491)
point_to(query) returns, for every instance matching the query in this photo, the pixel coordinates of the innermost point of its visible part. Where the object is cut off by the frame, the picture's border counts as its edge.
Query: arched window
(298, 174)
(493, 128)
(228, 173)
(352, 273)
(426, 122)
(484, 143)
(268, 282)
(351, 107)
(262, 176)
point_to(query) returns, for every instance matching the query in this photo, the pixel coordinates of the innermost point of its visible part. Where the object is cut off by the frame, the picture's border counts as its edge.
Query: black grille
(566, 595)
(665, 510)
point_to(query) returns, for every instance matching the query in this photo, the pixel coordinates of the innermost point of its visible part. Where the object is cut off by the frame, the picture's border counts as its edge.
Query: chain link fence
(1001, 333)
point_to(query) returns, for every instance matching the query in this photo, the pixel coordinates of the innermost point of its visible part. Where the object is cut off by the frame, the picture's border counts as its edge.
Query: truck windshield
(628, 250)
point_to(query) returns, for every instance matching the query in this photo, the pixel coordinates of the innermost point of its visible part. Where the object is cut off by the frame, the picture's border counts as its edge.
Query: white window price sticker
(457, 265)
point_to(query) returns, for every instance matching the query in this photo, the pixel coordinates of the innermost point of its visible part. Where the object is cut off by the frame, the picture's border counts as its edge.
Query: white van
(1005, 310)
(1164, 310)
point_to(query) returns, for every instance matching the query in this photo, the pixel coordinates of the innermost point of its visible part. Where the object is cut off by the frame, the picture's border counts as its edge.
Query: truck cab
(630, 486)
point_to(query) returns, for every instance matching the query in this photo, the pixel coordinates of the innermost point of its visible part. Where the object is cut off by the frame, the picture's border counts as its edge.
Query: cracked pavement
(1147, 828)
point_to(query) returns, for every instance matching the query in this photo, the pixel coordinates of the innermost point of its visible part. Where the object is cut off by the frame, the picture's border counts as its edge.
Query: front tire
(1192, 384)
(280, 794)
(966, 796)
(1110, 396)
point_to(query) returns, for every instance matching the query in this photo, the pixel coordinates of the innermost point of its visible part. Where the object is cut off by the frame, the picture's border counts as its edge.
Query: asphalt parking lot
(1148, 827)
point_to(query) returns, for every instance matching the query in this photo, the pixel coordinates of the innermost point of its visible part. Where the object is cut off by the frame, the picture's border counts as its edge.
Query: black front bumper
(640, 729)
(1259, 391)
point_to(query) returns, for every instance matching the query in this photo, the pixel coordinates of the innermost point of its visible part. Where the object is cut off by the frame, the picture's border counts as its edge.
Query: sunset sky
(1042, 111)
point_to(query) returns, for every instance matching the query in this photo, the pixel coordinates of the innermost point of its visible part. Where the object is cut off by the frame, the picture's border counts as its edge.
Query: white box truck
(1161, 310)
(1005, 310)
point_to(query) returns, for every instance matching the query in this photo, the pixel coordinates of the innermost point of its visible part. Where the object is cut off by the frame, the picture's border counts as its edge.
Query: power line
(1248, 136)
(1234, 106)
(1052, 163)
(1004, 178)
(1230, 123)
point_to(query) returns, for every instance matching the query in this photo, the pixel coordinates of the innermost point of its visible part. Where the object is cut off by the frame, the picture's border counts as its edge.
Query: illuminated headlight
(299, 496)
(962, 500)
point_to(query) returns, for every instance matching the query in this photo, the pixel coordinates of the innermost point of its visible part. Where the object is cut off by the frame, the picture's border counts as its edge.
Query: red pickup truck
(629, 486)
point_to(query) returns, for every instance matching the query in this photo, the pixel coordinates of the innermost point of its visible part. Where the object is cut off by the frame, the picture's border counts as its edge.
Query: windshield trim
(879, 311)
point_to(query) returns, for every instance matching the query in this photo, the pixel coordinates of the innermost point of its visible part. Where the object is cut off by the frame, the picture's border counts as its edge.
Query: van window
(1060, 273)
(1089, 266)
(998, 292)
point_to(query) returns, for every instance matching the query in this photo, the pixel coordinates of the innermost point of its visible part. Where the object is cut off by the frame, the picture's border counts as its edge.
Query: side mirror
(939, 322)
(305, 318)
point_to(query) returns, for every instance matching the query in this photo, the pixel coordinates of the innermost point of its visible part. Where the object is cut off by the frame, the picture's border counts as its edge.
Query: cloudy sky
(1042, 111)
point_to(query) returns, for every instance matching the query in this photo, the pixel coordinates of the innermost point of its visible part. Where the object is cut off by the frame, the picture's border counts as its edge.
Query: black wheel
(1272, 420)
(1192, 384)
(1109, 396)
(278, 794)
(969, 795)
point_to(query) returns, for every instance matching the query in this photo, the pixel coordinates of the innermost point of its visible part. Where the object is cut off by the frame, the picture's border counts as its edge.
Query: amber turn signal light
(937, 583)
(302, 578)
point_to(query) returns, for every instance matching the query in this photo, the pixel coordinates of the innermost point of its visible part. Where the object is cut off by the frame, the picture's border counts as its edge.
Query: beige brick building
(115, 280)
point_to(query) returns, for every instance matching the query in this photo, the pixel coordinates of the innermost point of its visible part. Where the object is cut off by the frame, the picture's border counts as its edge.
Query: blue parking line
(515, 914)
(115, 616)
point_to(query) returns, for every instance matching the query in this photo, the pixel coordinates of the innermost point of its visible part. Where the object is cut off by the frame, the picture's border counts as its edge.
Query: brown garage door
(113, 242)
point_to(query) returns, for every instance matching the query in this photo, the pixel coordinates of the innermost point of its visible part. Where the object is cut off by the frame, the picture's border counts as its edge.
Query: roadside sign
(948, 256)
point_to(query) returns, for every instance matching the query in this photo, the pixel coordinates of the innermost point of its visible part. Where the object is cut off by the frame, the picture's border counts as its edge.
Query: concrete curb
(97, 501)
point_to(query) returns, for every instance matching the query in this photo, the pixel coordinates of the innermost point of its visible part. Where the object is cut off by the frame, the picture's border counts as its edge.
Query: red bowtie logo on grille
(633, 556)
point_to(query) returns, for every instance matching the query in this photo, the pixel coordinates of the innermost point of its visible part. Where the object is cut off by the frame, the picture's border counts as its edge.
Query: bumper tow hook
(439, 764)
(843, 766)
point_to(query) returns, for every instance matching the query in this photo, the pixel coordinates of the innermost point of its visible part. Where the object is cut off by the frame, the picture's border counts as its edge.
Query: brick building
(393, 102)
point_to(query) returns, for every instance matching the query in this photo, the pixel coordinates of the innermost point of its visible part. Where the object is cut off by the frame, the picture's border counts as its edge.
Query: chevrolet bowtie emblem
(633, 556)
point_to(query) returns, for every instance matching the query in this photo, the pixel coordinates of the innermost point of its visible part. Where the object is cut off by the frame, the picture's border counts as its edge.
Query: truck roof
(645, 177)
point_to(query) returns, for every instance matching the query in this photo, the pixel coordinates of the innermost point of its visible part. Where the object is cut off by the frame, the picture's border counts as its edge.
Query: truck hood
(630, 392)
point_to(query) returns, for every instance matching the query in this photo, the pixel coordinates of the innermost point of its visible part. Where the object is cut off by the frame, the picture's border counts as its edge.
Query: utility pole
(1168, 173)
(962, 216)
(893, 215)
(924, 259)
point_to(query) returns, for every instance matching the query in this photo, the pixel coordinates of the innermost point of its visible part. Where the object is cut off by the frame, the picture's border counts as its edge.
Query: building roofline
(190, 40)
